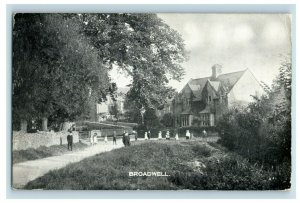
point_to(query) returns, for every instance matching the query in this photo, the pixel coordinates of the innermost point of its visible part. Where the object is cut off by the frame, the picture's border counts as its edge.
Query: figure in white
(92, 138)
(204, 133)
(159, 135)
(176, 136)
(146, 136)
(95, 140)
(168, 135)
(188, 135)
(105, 139)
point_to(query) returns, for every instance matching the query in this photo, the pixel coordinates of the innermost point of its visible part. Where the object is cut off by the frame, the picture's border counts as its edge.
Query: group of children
(94, 138)
(126, 137)
(188, 135)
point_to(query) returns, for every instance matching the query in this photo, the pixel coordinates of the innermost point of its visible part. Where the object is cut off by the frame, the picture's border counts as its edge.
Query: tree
(168, 120)
(60, 61)
(262, 131)
(56, 72)
(114, 110)
(143, 47)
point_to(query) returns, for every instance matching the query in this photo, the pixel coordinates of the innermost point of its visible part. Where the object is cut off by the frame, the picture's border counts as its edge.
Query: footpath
(24, 172)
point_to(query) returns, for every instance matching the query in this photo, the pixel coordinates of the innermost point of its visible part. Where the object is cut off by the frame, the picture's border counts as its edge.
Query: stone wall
(22, 140)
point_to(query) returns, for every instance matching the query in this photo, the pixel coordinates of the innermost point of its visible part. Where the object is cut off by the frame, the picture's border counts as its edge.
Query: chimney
(216, 71)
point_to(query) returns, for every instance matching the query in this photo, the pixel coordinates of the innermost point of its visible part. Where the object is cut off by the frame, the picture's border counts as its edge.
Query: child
(114, 138)
(187, 135)
(159, 135)
(70, 140)
(176, 136)
(168, 135)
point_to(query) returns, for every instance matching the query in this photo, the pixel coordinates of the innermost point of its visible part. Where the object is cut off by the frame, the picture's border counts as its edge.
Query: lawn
(194, 165)
(43, 152)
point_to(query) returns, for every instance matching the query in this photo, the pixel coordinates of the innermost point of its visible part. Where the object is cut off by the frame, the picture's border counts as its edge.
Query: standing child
(92, 139)
(114, 138)
(187, 135)
(105, 139)
(95, 140)
(176, 136)
(70, 140)
(168, 135)
(159, 135)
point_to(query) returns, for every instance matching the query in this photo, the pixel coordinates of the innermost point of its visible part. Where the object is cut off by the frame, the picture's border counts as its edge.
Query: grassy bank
(43, 152)
(189, 164)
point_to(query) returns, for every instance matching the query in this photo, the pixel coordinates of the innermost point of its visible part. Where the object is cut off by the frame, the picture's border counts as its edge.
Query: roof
(215, 84)
(197, 85)
(206, 110)
(227, 80)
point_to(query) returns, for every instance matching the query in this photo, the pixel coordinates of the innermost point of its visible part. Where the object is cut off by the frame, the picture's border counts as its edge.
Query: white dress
(105, 139)
(95, 139)
(187, 134)
(176, 136)
(168, 135)
(146, 136)
(92, 140)
(159, 136)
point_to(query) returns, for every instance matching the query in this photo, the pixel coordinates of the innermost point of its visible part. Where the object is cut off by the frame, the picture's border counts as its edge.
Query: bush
(202, 150)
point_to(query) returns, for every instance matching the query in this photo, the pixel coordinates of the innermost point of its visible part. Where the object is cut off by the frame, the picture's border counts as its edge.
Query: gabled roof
(197, 85)
(227, 80)
(215, 84)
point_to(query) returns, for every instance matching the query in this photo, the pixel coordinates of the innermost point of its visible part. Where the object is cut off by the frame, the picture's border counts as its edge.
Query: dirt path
(30, 170)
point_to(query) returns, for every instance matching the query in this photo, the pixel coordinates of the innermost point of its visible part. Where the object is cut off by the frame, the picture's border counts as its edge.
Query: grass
(43, 152)
(191, 165)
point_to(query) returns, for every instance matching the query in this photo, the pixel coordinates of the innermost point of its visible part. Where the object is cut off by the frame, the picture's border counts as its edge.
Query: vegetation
(191, 165)
(56, 72)
(167, 120)
(43, 152)
(262, 131)
(61, 63)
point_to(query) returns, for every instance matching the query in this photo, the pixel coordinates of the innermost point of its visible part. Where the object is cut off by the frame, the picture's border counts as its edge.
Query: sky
(235, 41)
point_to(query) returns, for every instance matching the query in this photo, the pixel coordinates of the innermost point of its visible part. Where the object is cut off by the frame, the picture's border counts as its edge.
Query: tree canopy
(143, 47)
(61, 61)
(55, 70)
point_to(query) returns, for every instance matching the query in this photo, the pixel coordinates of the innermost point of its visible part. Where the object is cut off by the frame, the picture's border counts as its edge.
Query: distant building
(103, 109)
(202, 101)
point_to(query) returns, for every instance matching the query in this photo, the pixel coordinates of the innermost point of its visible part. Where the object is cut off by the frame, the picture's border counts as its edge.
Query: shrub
(202, 150)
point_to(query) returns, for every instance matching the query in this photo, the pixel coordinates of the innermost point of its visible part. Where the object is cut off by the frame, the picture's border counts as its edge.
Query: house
(202, 101)
(104, 108)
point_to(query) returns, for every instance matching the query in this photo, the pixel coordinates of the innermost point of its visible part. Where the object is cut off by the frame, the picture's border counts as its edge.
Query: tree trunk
(44, 124)
(23, 125)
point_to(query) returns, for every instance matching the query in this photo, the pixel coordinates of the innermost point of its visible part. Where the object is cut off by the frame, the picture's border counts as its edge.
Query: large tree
(55, 70)
(60, 61)
(143, 47)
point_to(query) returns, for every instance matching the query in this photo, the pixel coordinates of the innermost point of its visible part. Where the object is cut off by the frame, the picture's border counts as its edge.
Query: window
(204, 119)
(209, 99)
(222, 98)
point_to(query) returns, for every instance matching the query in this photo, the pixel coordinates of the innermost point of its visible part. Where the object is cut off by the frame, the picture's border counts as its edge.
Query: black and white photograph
(151, 101)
